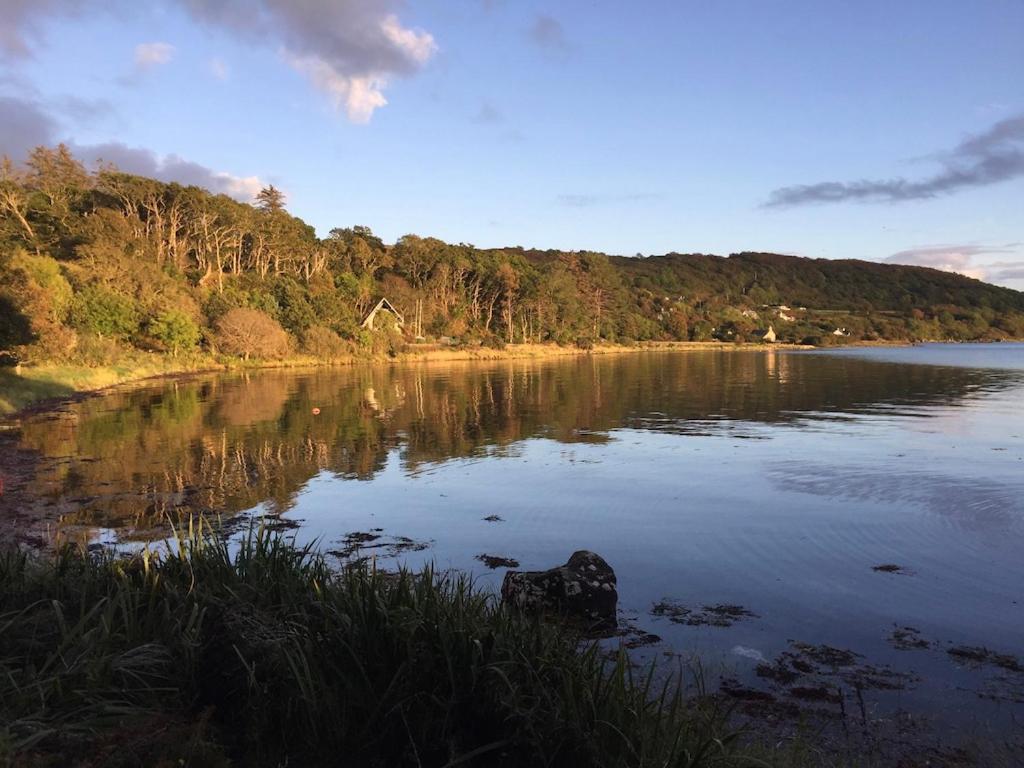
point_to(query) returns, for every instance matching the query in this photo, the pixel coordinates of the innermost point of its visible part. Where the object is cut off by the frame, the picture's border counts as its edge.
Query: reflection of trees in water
(228, 443)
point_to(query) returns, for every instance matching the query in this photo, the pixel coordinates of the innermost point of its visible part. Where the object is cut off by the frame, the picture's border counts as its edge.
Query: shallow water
(771, 480)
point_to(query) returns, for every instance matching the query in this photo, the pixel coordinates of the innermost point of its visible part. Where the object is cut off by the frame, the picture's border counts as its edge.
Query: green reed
(256, 652)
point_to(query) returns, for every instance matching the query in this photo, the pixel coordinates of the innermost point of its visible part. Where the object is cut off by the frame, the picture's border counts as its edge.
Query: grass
(20, 388)
(260, 654)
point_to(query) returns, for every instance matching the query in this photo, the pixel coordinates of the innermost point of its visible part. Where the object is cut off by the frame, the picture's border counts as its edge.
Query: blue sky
(879, 130)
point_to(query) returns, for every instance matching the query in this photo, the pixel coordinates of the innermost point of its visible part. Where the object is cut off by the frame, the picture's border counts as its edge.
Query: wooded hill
(94, 262)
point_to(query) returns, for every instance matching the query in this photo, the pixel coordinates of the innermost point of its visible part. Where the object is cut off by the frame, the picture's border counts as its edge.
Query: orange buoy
(316, 411)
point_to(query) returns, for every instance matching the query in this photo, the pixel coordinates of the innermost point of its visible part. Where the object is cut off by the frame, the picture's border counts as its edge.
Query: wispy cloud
(588, 201)
(149, 55)
(1006, 271)
(993, 156)
(83, 111)
(547, 32)
(219, 69)
(1006, 275)
(488, 114)
(23, 21)
(956, 258)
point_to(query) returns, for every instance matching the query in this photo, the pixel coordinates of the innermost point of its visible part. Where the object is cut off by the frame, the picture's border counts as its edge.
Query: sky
(823, 128)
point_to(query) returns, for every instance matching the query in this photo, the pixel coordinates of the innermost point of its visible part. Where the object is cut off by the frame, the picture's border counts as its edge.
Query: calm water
(774, 481)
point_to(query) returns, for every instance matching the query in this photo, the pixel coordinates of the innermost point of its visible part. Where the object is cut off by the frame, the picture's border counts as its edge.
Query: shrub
(251, 333)
(34, 301)
(104, 313)
(176, 330)
(45, 272)
(96, 350)
(323, 343)
(295, 311)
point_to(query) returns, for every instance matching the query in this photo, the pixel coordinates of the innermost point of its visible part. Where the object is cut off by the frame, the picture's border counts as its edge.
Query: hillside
(94, 263)
(823, 283)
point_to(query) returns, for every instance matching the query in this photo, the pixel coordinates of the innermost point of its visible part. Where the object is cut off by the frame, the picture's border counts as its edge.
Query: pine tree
(271, 199)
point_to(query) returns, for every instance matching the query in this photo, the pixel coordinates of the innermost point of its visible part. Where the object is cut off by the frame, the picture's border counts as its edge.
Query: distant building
(383, 306)
(749, 313)
(840, 332)
(767, 336)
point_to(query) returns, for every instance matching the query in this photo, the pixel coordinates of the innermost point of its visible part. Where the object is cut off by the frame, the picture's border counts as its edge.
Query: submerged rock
(497, 561)
(583, 589)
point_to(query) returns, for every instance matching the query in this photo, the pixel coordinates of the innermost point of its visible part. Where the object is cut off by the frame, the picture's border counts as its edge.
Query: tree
(270, 199)
(251, 333)
(415, 257)
(176, 330)
(14, 198)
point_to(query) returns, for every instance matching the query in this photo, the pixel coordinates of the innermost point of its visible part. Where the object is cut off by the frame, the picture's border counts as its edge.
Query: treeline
(93, 262)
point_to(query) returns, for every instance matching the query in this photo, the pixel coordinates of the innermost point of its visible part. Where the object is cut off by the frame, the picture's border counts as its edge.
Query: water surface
(775, 481)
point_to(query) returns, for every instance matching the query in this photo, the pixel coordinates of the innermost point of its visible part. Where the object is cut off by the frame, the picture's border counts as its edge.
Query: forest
(97, 263)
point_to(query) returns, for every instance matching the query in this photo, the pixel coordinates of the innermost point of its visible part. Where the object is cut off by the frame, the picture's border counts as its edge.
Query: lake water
(773, 481)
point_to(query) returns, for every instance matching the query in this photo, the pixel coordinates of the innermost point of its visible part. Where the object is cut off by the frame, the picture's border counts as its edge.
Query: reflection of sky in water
(995, 356)
(771, 481)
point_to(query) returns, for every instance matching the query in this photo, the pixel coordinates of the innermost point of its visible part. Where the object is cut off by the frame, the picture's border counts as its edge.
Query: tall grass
(259, 654)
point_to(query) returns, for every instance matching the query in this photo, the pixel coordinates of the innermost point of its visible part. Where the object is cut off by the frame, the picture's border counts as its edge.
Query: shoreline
(36, 388)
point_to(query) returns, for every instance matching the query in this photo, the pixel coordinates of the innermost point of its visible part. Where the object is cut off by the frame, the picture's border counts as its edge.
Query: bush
(45, 272)
(96, 350)
(105, 313)
(251, 333)
(295, 311)
(323, 343)
(176, 330)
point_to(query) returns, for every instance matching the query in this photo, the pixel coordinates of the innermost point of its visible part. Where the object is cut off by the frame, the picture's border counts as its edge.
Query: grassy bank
(265, 656)
(21, 387)
(27, 385)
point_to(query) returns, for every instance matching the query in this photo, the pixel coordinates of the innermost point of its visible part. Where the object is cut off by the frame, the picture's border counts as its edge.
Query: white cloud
(244, 188)
(149, 55)
(419, 46)
(360, 96)
(351, 49)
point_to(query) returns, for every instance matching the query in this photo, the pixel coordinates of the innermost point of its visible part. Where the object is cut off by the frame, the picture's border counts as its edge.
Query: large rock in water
(582, 589)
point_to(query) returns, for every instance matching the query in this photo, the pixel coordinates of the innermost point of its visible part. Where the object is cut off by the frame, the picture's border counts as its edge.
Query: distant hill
(833, 284)
(93, 263)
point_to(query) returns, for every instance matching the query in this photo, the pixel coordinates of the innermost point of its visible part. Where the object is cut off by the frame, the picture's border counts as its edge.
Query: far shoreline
(38, 388)
(35, 388)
